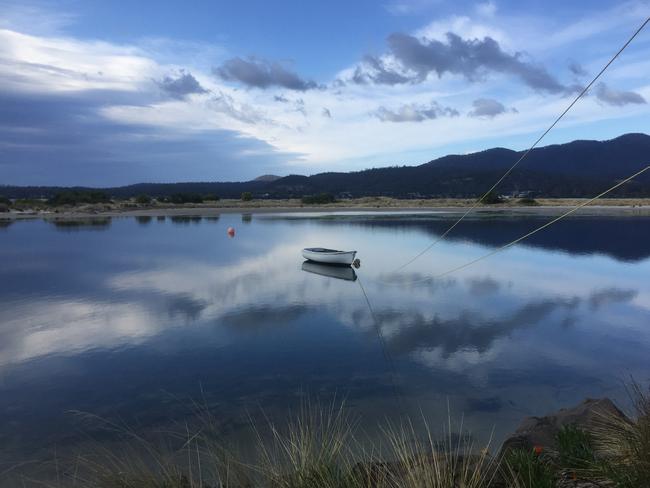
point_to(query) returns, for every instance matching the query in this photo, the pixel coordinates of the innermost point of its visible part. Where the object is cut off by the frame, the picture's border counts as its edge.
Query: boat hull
(329, 256)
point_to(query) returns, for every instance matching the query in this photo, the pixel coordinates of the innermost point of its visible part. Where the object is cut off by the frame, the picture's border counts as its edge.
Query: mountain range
(576, 169)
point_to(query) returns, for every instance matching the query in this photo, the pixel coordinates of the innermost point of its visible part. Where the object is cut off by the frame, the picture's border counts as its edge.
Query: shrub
(4, 200)
(625, 444)
(246, 196)
(528, 201)
(492, 198)
(530, 468)
(321, 198)
(186, 198)
(575, 449)
(211, 197)
(143, 199)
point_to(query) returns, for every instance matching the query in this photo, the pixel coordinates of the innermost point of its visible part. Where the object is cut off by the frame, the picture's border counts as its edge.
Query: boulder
(542, 431)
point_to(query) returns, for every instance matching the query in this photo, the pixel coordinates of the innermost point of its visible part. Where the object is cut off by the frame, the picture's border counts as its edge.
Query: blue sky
(106, 93)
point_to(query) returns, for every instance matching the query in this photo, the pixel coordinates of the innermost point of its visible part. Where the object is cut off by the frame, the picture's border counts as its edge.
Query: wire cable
(386, 353)
(523, 156)
(525, 236)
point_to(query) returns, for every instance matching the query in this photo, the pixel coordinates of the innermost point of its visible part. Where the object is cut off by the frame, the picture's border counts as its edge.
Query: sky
(105, 93)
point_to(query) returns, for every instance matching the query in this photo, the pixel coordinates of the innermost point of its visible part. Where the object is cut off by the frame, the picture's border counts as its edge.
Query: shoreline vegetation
(593, 444)
(144, 205)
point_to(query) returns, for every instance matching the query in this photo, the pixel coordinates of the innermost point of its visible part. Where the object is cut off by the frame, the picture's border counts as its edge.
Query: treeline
(80, 197)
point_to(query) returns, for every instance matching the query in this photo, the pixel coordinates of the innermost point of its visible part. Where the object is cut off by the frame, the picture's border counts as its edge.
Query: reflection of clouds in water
(185, 306)
(420, 322)
(469, 331)
(451, 323)
(263, 317)
(71, 326)
(607, 296)
(483, 286)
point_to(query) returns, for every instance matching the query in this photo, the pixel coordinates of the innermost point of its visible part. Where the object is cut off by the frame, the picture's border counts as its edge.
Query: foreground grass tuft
(624, 445)
(321, 447)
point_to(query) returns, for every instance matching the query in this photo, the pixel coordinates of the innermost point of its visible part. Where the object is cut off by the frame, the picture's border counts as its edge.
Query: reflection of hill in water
(620, 238)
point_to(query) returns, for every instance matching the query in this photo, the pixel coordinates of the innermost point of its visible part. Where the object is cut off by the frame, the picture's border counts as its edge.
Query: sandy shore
(546, 207)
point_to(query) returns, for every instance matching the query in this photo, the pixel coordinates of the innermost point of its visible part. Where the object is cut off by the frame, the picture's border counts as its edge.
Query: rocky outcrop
(542, 431)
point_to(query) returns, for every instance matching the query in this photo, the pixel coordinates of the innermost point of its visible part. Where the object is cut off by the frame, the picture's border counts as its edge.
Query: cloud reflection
(271, 289)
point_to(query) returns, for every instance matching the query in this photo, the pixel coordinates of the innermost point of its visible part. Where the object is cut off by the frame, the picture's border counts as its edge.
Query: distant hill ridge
(267, 178)
(576, 169)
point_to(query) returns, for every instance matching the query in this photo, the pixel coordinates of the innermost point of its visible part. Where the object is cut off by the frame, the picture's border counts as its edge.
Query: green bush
(321, 198)
(246, 196)
(4, 200)
(211, 197)
(143, 199)
(75, 197)
(492, 198)
(528, 201)
(575, 448)
(530, 468)
(185, 198)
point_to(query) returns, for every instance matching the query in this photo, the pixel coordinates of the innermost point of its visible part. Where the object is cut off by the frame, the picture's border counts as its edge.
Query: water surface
(132, 319)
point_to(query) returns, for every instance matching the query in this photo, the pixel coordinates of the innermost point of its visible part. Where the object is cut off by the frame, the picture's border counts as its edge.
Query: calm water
(132, 319)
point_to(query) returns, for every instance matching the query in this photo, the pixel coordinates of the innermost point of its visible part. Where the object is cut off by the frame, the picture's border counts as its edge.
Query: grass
(575, 448)
(323, 447)
(624, 445)
(529, 469)
(319, 447)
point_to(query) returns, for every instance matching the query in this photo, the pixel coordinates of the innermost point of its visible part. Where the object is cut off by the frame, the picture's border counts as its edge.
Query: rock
(542, 431)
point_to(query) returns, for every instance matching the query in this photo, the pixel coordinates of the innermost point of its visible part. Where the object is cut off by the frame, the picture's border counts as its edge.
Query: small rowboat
(328, 256)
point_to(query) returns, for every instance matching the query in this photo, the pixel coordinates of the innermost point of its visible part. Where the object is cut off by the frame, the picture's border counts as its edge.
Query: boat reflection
(332, 271)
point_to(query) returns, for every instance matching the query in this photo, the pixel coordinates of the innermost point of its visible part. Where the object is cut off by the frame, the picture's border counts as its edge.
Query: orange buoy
(231, 232)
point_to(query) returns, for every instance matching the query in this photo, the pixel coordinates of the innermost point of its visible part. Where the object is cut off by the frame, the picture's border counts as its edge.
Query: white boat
(338, 272)
(328, 256)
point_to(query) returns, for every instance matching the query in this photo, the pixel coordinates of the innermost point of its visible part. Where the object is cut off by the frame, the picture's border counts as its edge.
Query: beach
(543, 207)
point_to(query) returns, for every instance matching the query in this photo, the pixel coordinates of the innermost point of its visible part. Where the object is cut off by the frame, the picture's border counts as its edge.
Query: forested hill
(576, 169)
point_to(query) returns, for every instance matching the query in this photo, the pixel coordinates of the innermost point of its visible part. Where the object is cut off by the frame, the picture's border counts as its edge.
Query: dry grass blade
(624, 444)
(448, 463)
(312, 451)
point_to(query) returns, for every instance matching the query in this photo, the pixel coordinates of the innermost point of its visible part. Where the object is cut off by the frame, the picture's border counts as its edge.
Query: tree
(321, 198)
(186, 198)
(74, 197)
(246, 196)
(492, 197)
(143, 199)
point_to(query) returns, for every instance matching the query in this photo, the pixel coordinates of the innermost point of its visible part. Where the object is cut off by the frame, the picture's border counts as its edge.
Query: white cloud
(354, 138)
(54, 64)
(487, 9)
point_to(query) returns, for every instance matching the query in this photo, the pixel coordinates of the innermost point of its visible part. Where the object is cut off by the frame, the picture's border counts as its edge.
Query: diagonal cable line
(523, 156)
(534, 231)
(386, 352)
